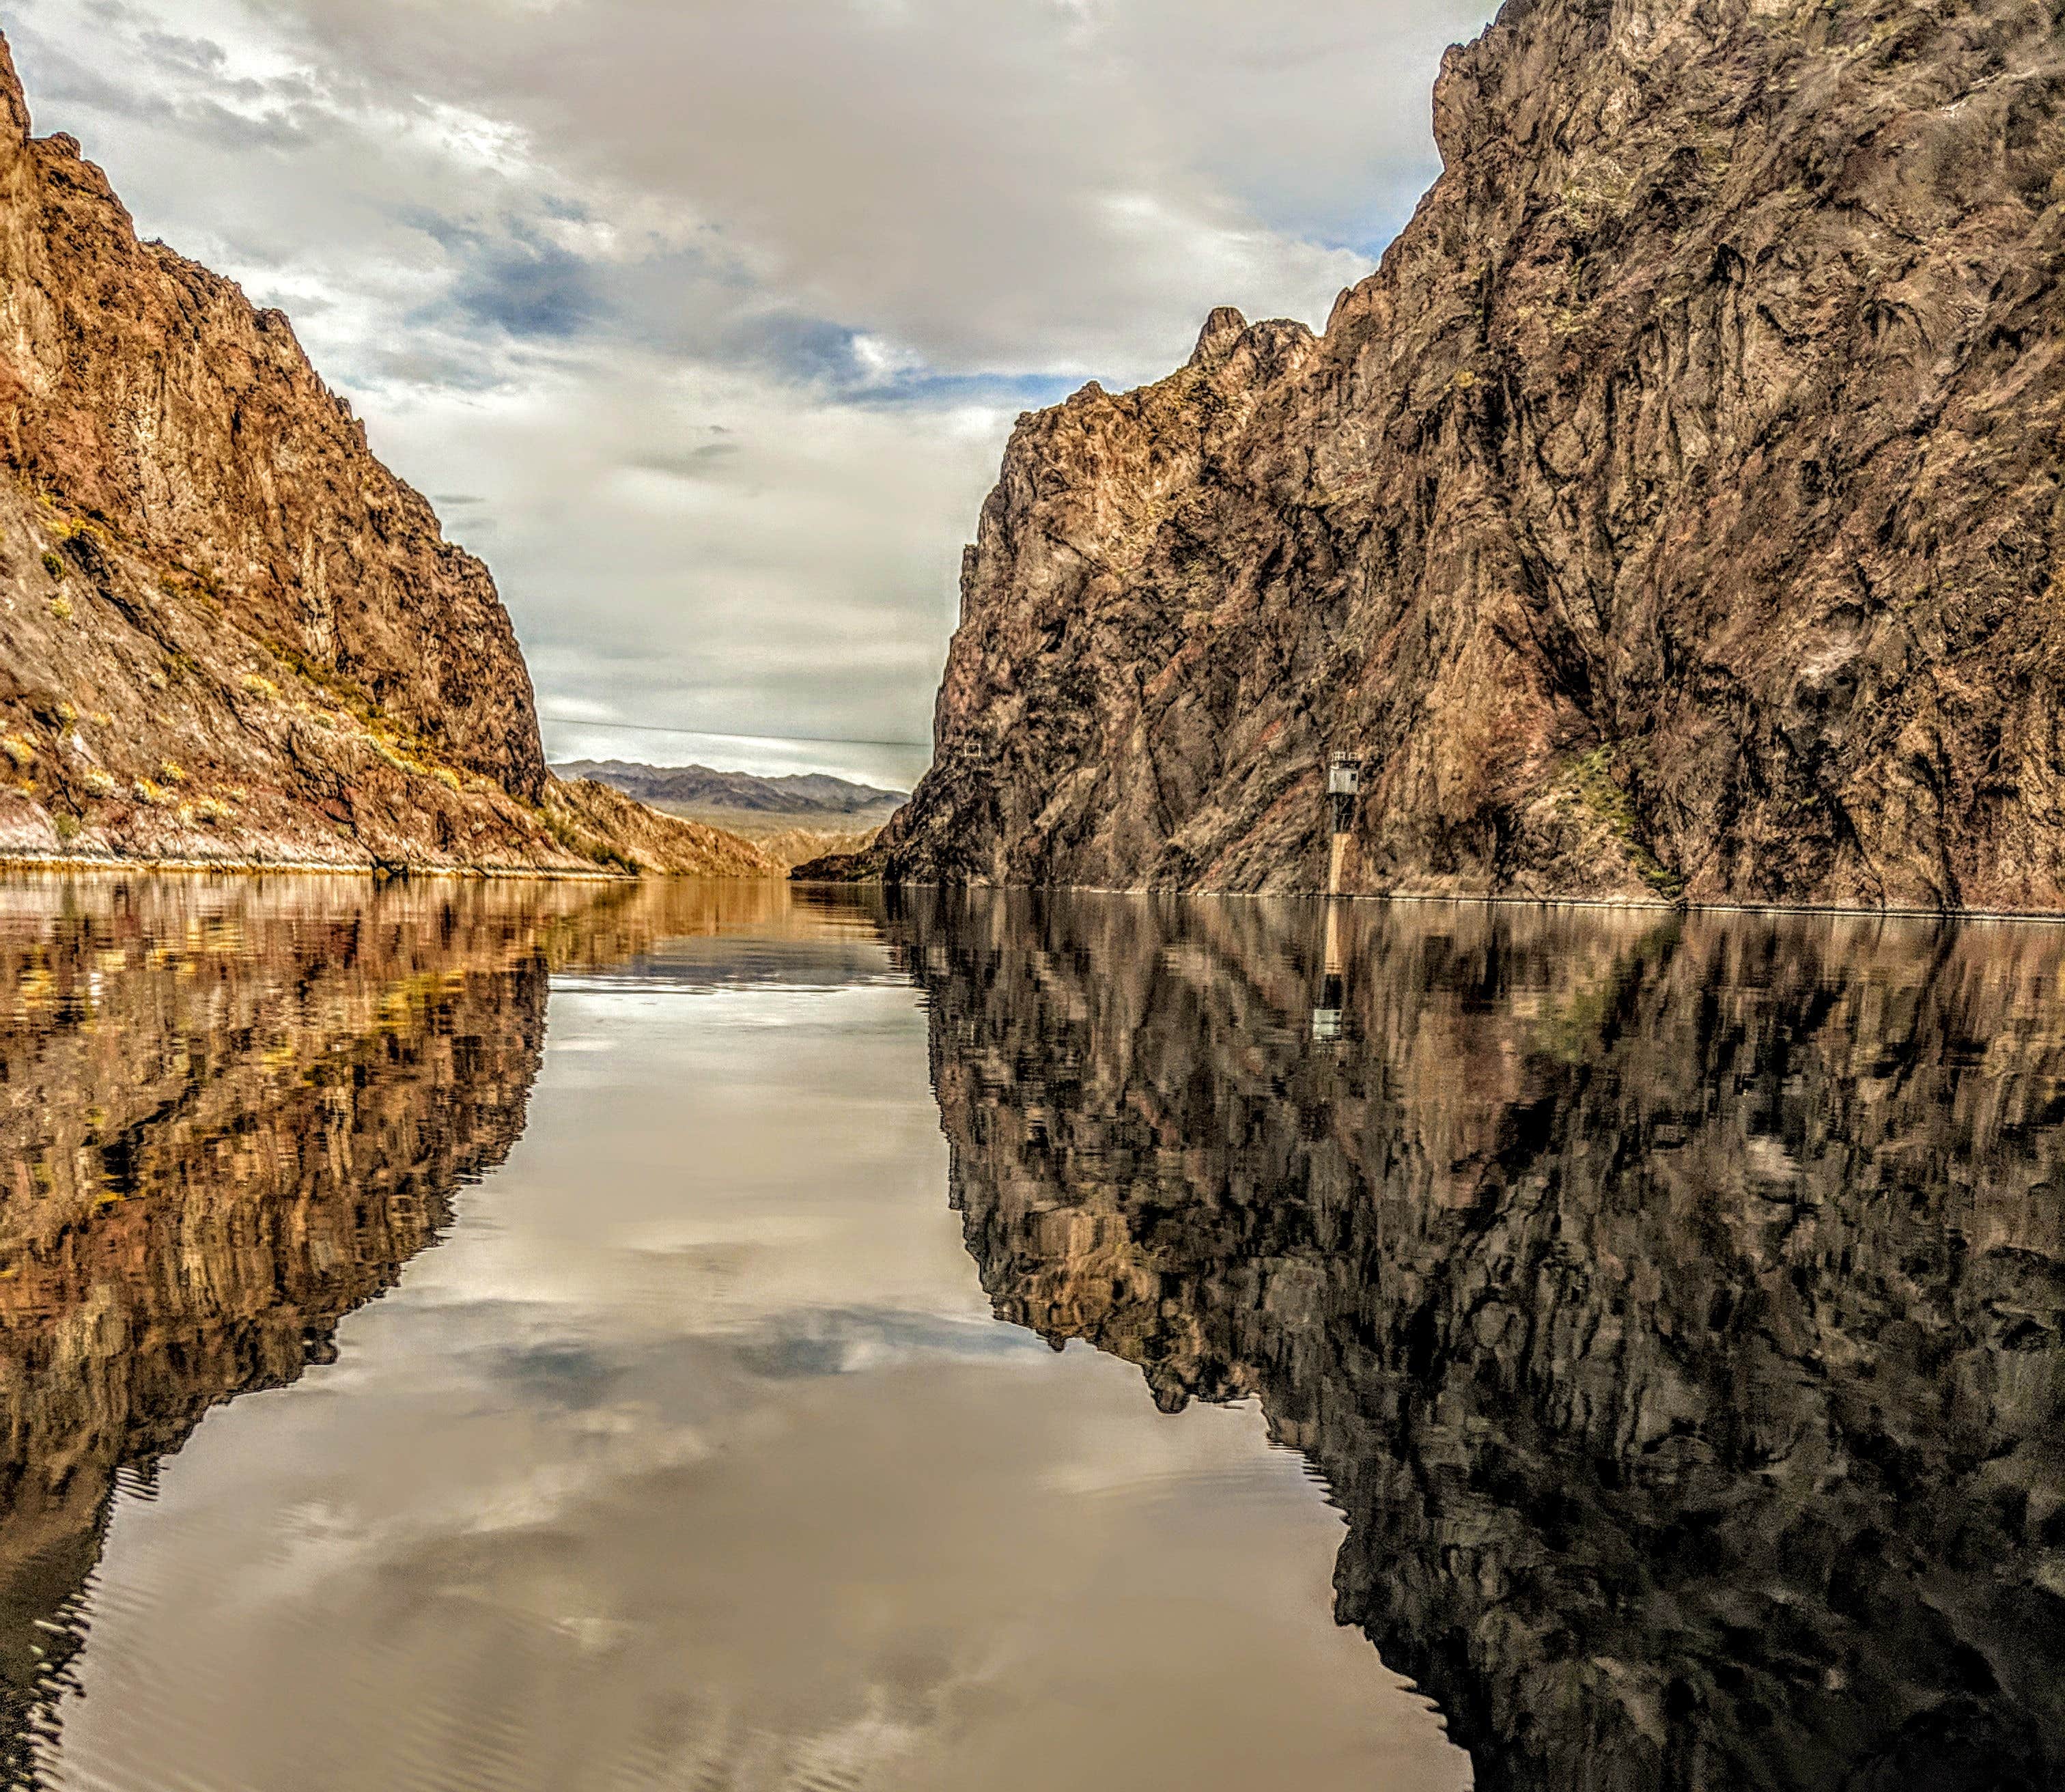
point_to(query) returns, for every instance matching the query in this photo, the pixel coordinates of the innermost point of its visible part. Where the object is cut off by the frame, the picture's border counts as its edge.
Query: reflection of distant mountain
(714, 935)
(230, 1112)
(1676, 1308)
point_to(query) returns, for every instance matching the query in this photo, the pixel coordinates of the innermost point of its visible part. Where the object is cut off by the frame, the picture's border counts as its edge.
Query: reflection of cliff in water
(231, 1112)
(1674, 1307)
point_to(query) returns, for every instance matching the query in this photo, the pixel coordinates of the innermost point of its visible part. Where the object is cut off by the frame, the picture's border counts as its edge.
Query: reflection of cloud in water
(828, 1343)
(1675, 1305)
(694, 1455)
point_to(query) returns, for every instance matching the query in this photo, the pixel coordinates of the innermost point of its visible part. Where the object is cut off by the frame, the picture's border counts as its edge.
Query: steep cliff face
(1675, 1309)
(227, 631)
(1677, 511)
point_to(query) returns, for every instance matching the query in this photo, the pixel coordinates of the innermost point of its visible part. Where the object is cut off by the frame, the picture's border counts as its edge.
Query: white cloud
(722, 312)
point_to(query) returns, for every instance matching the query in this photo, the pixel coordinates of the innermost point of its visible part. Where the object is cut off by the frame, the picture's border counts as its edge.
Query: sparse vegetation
(20, 750)
(258, 685)
(151, 795)
(410, 753)
(346, 692)
(172, 771)
(1596, 783)
(581, 844)
(54, 564)
(67, 827)
(1596, 192)
(60, 608)
(98, 783)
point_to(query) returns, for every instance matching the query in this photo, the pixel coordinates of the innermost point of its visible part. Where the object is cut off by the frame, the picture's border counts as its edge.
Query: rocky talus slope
(1675, 1307)
(1676, 512)
(228, 633)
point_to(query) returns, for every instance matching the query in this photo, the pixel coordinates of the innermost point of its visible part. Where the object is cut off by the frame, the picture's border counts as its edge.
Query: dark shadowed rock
(1676, 512)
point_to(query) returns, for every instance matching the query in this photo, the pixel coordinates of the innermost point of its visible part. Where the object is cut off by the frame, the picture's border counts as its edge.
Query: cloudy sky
(705, 321)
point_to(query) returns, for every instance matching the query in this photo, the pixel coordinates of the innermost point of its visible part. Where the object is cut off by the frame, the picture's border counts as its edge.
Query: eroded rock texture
(227, 632)
(1676, 512)
(1676, 1308)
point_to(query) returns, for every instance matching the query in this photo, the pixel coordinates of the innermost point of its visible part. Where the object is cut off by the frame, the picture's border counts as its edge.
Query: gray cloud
(512, 281)
(721, 313)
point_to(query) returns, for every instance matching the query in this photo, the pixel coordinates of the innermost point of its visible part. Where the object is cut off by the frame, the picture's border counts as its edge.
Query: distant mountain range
(699, 787)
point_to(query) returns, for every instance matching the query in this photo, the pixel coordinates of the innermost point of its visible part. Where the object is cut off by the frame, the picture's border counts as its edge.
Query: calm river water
(721, 1338)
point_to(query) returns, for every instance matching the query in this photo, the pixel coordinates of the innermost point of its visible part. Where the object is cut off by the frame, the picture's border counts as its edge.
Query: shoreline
(2048, 917)
(375, 874)
(313, 867)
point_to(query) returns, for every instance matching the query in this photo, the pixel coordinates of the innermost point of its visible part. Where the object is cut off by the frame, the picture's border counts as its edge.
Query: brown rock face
(1675, 1306)
(227, 632)
(1677, 511)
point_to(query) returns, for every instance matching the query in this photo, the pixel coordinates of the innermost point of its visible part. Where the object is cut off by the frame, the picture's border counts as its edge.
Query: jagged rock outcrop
(228, 633)
(1674, 1307)
(1676, 512)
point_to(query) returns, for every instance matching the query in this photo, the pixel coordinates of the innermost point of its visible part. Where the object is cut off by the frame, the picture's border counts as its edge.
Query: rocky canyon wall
(227, 633)
(1676, 513)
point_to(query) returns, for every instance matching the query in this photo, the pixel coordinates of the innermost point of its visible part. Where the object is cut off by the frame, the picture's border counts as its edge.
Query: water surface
(996, 1342)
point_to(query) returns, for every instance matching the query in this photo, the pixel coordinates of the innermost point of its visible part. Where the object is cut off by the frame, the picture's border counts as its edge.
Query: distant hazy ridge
(792, 818)
(812, 794)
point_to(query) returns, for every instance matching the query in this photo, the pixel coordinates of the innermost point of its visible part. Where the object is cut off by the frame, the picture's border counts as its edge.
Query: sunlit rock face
(1675, 510)
(231, 1114)
(205, 566)
(228, 634)
(1676, 1308)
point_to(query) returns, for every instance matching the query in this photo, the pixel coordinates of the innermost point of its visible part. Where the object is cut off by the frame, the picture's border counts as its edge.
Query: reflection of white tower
(1343, 787)
(1327, 1018)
